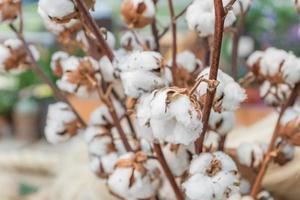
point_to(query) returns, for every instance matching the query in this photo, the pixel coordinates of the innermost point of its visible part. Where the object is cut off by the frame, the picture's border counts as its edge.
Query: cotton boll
(286, 152)
(272, 60)
(241, 5)
(245, 186)
(80, 76)
(222, 122)
(138, 13)
(129, 42)
(216, 172)
(200, 17)
(57, 9)
(104, 165)
(107, 69)
(166, 192)
(233, 96)
(4, 55)
(250, 154)
(177, 158)
(291, 70)
(61, 123)
(56, 62)
(9, 11)
(253, 59)
(228, 95)
(264, 195)
(188, 61)
(211, 141)
(131, 178)
(141, 72)
(274, 95)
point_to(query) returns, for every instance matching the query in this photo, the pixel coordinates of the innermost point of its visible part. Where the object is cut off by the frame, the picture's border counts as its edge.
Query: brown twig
(235, 42)
(218, 36)
(166, 29)
(167, 171)
(154, 31)
(229, 6)
(90, 22)
(37, 70)
(268, 157)
(174, 39)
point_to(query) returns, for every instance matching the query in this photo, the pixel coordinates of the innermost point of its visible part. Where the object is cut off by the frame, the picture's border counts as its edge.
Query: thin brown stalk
(174, 39)
(167, 171)
(154, 31)
(229, 6)
(38, 71)
(116, 121)
(218, 36)
(90, 22)
(235, 42)
(264, 166)
(166, 29)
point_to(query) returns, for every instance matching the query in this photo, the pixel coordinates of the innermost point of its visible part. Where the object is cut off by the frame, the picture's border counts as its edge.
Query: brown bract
(133, 16)
(84, 75)
(9, 10)
(68, 37)
(17, 60)
(71, 128)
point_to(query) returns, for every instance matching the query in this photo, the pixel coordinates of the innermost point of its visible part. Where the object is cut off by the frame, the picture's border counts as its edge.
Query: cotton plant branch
(218, 36)
(90, 22)
(167, 171)
(271, 152)
(174, 40)
(179, 15)
(38, 71)
(235, 41)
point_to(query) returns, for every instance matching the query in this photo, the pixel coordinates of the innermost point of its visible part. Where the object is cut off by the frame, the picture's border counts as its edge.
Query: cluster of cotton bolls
(278, 71)
(9, 10)
(217, 175)
(138, 13)
(142, 72)
(61, 124)
(200, 15)
(77, 75)
(14, 57)
(170, 115)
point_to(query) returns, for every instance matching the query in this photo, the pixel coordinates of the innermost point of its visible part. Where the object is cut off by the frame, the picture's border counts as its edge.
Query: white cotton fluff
(101, 116)
(166, 192)
(57, 8)
(289, 115)
(264, 195)
(139, 73)
(108, 69)
(129, 42)
(200, 16)
(54, 27)
(246, 46)
(245, 186)
(251, 154)
(98, 140)
(216, 173)
(285, 149)
(229, 94)
(177, 158)
(59, 115)
(254, 58)
(58, 58)
(177, 121)
(222, 122)
(77, 87)
(272, 60)
(8, 49)
(274, 94)
(291, 69)
(211, 141)
(104, 164)
(240, 5)
(188, 61)
(142, 187)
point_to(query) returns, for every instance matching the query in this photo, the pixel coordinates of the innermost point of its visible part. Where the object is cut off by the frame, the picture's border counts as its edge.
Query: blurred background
(24, 99)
